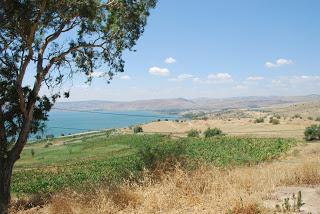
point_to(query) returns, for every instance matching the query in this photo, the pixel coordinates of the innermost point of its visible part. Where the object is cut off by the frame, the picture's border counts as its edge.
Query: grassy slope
(114, 158)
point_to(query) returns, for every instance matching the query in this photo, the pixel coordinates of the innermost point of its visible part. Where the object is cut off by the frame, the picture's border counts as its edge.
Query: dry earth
(243, 126)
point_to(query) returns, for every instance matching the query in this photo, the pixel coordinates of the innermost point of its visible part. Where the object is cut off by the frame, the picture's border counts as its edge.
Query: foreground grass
(112, 159)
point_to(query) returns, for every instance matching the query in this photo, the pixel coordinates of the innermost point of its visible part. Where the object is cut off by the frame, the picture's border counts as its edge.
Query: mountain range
(182, 104)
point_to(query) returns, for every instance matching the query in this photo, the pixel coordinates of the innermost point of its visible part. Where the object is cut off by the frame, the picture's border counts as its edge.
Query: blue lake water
(66, 122)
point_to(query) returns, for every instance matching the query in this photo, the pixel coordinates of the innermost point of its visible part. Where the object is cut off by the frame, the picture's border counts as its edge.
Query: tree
(52, 40)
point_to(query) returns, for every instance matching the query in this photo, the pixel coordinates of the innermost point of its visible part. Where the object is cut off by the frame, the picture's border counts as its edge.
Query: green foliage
(32, 152)
(137, 129)
(297, 116)
(113, 158)
(226, 150)
(33, 37)
(312, 133)
(274, 121)
(277, 116)
(259, 120)
(193, 133)
(212, 132)
(47, 145)
(168, 152)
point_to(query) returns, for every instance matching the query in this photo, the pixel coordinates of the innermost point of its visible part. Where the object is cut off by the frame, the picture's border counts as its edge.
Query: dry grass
(235, 127)
(206, 190)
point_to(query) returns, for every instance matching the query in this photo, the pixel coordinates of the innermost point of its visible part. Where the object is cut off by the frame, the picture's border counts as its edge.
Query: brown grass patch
(246, 209)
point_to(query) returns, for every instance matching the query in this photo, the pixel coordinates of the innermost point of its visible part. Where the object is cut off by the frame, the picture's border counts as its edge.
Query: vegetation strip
(115, 158)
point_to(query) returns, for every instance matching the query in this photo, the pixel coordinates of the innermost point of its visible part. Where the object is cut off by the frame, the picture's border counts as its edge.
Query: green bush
(212, 132)
(318, 119)
(278, 116)
(137, 129)
(312, 132)
(274, 121)
(167, 153)
(297, 116)
(47, 145)
(259, 120)
(193, 133)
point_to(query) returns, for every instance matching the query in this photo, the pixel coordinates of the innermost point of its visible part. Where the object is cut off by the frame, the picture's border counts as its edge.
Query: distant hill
(181, 104)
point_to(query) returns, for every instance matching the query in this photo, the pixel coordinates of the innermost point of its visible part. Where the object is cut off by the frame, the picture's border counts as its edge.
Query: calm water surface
(65, 122)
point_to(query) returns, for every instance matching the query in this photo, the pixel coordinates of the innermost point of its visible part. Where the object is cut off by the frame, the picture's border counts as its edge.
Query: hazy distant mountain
(181, 104)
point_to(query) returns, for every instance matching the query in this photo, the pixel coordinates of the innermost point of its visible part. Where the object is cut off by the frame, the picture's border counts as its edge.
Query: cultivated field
(253, 169)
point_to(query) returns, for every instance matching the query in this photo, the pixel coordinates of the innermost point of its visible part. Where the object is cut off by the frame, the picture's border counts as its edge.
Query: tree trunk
(6, 166)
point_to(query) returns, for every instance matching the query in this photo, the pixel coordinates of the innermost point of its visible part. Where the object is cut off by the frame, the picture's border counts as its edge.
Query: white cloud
(159, 71)
(276, 82)
(125, 77)
(170, 60)
(183, 77)
(304, 78)
(197, 80)
(255, 78)
(278, 63)
(220, 77)
(240, 87)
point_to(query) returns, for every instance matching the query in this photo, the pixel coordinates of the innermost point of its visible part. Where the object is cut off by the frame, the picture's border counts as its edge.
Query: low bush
(312, 133)
(274, 121)
(318, 119)
(297, 116)
(47, 145)
(259, 120)
(213, 132)
(137, 129)
(167, 154)
(310, 118)
(278, 116)
(193, 133)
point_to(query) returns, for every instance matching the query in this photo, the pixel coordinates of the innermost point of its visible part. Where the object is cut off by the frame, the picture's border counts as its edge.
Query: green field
(107, 157)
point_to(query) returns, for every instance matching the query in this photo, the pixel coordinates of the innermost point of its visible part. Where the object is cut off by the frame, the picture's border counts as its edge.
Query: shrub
(259, 120)
(310, 118)
(274, 121)
(205, 118)
(47, 145)
(297, 116)
(32, 152)
(137, 129)
(166, 154)
(212, 132)
(193, 133)
(312, 132)
(278, 116)
(318, 119)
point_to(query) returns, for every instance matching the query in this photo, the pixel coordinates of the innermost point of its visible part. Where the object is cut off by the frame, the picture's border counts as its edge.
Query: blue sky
(225, 48)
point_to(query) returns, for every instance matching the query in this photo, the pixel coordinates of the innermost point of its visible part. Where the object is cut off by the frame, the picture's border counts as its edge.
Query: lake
(69, 122)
